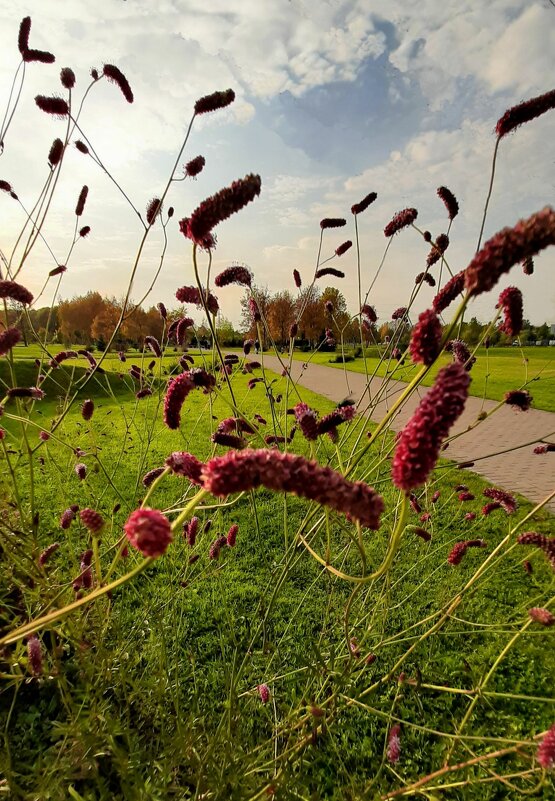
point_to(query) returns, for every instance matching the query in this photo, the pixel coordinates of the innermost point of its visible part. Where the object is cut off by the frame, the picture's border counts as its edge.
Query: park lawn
(496, 371)
(152, 694)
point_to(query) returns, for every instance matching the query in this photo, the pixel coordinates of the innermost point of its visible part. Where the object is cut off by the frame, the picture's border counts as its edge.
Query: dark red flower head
(42, 56)
(240, 471)
(195, 166)
(234, 275)
(67, 77)
(148, 531)
(297, 279)
(115, 75)
(8, 339)
(219, 207)
(358, 208)
(329, 271)
(508, 247)
(447, 295)
(55, 153)
(401, 220)
(185, 464)
(510, 301)
(81, 200)
(14, 291)
(153, 210)
(438, 249)
(23, 38)
(56, 106)
(425, 342)
(343, 248)
(214, 101)
(520, 398)
(332, 222)
(81, 147)
(524, 112)
(449, 200)
(419, 443)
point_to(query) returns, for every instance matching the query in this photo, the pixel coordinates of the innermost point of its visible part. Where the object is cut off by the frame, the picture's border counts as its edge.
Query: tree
(280, 316)
(312, 323)
(76, 317)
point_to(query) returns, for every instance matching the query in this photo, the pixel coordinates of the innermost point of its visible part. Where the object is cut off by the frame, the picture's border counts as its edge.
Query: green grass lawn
(152, 694)
(496, 371)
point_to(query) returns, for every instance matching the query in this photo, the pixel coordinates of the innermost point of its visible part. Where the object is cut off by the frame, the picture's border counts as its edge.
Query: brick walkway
(519, 470)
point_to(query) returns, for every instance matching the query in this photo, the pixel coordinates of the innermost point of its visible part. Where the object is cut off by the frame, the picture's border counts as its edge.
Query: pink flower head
(80, 470)
(178, 389)
(44, 435)
(425, 342)
(214, 101)
(546, 750)
(362, 205)
(541, 541)
(543, 616)
(115, 75)
(297, 279)
(470, 516)
(461, 353)
(466, 496)
(506, 500)
(449, 200)
(234, 275)
(399, 313)
(420, 441)
(544, 448)
(190, 294)
(524, 112)
(447, 295)
(490, 507)
(92, 520)
(264, 693)
(195, 166)
(154, 345)
(508, 247)
(519, 398)
(329, 271)
(14, 291)
(343, 248)
(47, 553)
(394, 744)
(67, 516)
(240, 471)
(192, 531)
(401, 220)
(148, 531)
(332, 222)
(307, 420)
(228, 440)
(87, 409)
(34, 655)
(8, 339)
(232, 535)
(67, 77)
(219, 207)
(510, 301)
(185, 464)
(151, 476)
(216, 547)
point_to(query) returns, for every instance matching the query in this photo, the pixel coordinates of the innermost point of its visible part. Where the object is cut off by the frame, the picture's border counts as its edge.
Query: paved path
(520, 470)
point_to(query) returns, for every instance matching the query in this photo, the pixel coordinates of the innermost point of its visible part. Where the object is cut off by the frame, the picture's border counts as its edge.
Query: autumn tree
(76, 317)
(280, 316)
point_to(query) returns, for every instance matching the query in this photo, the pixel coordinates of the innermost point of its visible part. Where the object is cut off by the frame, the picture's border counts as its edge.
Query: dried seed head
(114, 75)
(214, 101)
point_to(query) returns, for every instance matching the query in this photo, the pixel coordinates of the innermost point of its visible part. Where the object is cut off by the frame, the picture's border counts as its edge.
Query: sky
(334, 99)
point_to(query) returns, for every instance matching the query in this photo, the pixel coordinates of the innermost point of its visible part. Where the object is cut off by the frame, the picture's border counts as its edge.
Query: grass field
(152, 694)
(496, 371)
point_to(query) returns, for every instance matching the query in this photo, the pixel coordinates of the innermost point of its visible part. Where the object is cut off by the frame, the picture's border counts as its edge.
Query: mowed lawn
(496, 371)
(153, 693)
